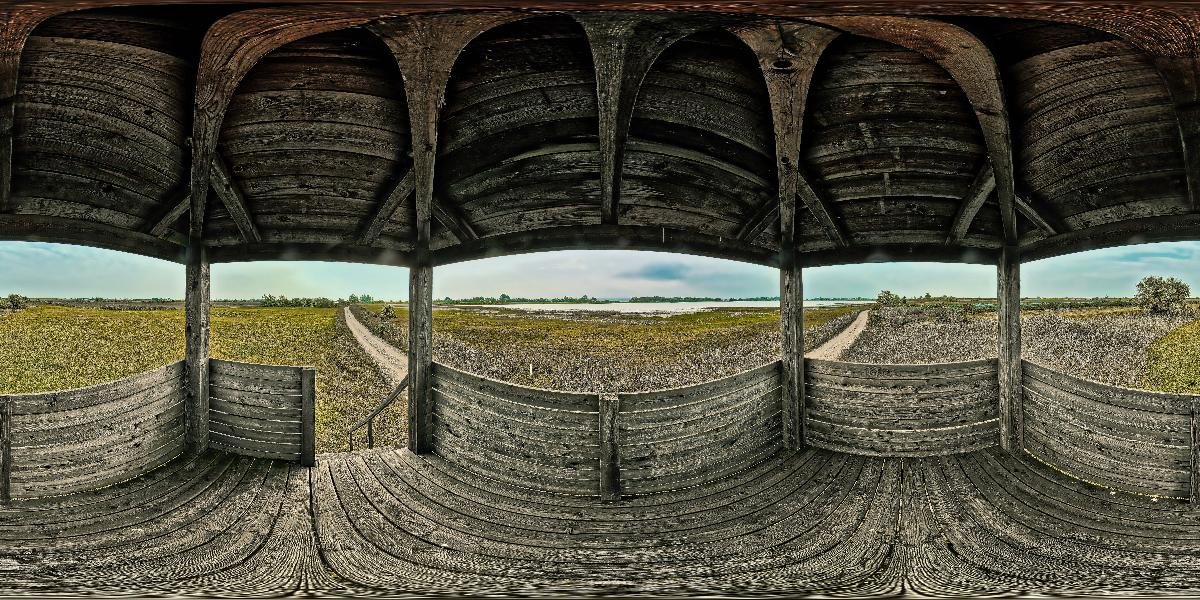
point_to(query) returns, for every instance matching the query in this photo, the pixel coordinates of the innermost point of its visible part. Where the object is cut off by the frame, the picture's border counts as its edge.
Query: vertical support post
(1194, 497)
(420, 355)
(308, 417)
(791, 316)
(196, 305)
(1008, 294)
(5, 451)
(370, 433)
(610, 467)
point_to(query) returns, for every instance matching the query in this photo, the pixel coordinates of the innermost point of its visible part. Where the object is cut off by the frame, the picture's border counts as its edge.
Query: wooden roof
(366, 131)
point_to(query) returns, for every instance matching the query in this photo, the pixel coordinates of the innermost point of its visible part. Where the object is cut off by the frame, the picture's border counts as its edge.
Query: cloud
(659, 271)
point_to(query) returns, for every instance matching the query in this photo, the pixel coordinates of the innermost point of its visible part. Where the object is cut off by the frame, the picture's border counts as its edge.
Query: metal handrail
(369, 420)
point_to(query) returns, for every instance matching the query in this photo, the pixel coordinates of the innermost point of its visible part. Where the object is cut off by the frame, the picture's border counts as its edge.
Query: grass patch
(1173, 361)
(47, 348)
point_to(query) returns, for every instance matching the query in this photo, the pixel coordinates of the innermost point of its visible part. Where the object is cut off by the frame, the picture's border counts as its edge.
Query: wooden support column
(788, 54)
(610, 467)
(425, 50)
(1008, 293)
(791, 314)
(308, 417)
(420, 354)
(5, 451)
(196, 306)
(1194, 497)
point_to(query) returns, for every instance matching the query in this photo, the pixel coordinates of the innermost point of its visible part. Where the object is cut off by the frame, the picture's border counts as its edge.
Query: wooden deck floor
(389, 522)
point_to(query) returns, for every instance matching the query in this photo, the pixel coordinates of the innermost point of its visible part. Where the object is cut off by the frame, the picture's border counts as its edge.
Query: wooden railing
(369, 420)
(606, 445)
(265, 411)
(901, 410)
(1124, 439)
(78, 440)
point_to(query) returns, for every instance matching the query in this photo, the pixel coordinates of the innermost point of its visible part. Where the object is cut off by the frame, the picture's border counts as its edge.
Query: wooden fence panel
(901, 410)
(683, 437)
(525, 437)
(265, 411)
(84, 439)
(1131, 440)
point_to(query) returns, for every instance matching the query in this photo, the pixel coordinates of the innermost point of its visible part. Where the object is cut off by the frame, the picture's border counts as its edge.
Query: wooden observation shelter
(783, 133)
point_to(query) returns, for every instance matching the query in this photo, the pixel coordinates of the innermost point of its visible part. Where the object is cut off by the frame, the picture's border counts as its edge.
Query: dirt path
(392, 361)
(833, 349)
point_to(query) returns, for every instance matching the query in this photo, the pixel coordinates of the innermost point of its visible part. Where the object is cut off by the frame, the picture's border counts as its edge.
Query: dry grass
(607, 351)
(1118, 346)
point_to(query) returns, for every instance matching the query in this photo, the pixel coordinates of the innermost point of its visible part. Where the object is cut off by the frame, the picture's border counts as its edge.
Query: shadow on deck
(388, 521)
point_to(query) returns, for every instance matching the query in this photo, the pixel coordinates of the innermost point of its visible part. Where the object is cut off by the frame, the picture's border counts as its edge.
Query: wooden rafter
(982, 187)
(425, 51)
(971, 64)
(400, 191)
(231, 196)
(624, 47)
(788, 54)
(1181, 74)
(176, 204)
(232, 46)
(454, 221)
(1039, 216)
(19, 22)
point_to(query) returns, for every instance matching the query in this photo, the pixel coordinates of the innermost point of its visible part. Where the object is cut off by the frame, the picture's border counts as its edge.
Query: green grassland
(49, 348)
(1173, 361)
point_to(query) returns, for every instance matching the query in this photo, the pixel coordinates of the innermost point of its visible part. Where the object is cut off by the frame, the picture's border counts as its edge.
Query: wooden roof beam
(624, 47)
(231, 47)
(425, 50)
(177, 203)
(1181, 74)
(971, 64)
(19, 23)
(1040, 217)
(788, 54)
(982, 187)
(454, 221)
(401, 189)
(235, 203)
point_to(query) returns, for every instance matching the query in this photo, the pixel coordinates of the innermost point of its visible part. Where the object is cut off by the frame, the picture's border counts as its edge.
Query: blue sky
(57, 270)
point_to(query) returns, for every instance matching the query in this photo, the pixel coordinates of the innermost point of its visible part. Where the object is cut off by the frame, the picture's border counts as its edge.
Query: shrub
(388, 312)
(1162, 294)
(887, 298)
(15, 302)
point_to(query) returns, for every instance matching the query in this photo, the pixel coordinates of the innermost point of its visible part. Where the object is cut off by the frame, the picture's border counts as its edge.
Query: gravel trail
(392, 362)
(833, 349)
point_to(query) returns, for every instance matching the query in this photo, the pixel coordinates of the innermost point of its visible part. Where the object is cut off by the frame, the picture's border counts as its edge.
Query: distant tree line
(281, 301)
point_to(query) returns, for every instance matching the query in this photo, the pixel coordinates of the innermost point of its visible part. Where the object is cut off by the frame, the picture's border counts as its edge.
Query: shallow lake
(666, 307)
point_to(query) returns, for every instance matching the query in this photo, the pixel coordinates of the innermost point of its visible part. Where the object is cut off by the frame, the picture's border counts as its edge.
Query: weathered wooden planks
(78, 440)
(265, 411)
(1131, 440)
(1008, 293)
(901, 410)
(532, 438)
(689, 436)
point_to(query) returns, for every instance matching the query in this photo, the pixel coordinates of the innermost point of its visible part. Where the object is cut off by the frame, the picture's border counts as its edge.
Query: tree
(354, 299)
(887, 298)
(15, 302)
(1162, 294)
(504, 298)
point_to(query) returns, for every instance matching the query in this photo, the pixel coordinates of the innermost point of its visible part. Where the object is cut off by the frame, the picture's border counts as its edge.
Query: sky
(57, 270)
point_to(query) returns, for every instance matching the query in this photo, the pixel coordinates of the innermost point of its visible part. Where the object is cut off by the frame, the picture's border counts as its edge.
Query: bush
(388, 312)
(887, 298)
(1162, 295)
(15, 302)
